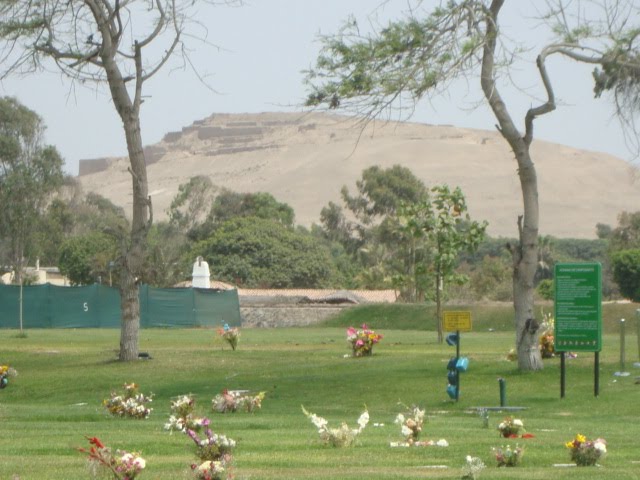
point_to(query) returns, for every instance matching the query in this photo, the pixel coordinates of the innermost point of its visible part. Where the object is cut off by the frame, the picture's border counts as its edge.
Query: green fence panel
(108, 307)
(168, 307)
(74, 307)
(216, 307)
(98, 306)
(36, 312)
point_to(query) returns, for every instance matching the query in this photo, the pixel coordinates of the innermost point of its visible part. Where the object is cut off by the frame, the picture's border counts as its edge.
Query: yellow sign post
(457, 321)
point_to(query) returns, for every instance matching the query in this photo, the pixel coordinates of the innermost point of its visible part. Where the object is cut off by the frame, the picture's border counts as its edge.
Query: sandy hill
(305, 159)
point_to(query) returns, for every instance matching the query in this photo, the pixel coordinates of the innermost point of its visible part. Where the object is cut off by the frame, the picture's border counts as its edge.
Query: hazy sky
(264, 47)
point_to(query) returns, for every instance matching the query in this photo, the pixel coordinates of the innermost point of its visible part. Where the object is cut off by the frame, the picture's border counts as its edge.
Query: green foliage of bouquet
(119, 466)
(130, 403)
(586, 452)
(507, 456)
(362, 341)
(343, 436)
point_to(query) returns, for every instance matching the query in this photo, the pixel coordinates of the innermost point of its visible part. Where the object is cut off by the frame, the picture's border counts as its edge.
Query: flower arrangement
(511, 427)
(130, 403)
(182, 416)
(212, 447)
(209, 470)
(547, 340)
(586, 452)
(411, 424)
(119, 466)
(213, 450)
(342, 436)
(512, 355)
(230, 335)
(508, 457)
(233, 400)
(5, 372)
(362, 341)
(472, 469)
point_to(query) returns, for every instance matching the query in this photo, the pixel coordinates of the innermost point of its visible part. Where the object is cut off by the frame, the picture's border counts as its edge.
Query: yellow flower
(581, 438)
(569, 444)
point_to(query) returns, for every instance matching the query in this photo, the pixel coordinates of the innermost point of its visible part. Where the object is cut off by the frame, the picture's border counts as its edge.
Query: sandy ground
(305, 159)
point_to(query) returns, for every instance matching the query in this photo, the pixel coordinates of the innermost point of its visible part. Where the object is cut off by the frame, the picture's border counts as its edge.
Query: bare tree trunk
(129, 112)
(525, 260)
(129, 291)
(130, 308)
(439, 303)
(525, 254)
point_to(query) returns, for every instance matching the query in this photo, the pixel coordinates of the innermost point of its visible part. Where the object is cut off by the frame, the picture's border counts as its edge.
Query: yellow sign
(454, 321)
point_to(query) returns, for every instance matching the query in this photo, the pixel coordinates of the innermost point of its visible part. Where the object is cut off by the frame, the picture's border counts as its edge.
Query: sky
(254, 62)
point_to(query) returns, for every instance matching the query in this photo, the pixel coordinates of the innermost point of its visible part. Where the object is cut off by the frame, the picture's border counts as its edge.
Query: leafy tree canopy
(228, 205)
(258, 252)
(626, 273)
(29, 173)
(626, 235)
(381, 191)
(192, 203)
(85, 259)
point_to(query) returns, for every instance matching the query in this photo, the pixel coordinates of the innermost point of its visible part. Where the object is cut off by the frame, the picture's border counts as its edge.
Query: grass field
(64, 375)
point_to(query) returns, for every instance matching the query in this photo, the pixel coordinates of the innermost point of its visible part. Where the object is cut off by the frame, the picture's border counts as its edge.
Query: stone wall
(287, 315)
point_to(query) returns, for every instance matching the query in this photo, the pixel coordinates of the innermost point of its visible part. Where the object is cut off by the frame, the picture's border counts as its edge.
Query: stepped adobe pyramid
(304, 159)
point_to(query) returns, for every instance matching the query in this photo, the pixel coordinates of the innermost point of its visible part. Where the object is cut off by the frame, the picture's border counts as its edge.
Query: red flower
(95, 441)
(528, 435)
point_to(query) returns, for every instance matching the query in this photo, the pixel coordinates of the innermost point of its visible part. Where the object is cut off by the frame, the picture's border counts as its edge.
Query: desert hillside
(305, 159)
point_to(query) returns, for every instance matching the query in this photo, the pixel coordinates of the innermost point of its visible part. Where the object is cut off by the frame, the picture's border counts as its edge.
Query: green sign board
(578, 307)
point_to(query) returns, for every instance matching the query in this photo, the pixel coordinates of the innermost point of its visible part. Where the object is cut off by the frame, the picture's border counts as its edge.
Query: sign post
(456, 321)
(578, 313)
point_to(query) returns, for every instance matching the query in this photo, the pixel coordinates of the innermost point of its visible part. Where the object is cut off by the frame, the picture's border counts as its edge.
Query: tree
(228, 204)
(105, 42)
(165, 261)
(84, 259)
(369, 232)
(421, 56)
(619, 75)
(257, 252)
(603, 231)
(190, 206)
(443, 222)
(29, 173)
(626, 235)
(380, 192)
(626, 273)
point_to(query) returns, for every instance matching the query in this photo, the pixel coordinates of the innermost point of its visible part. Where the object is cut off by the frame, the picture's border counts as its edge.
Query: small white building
(38, 276)
(200, 276)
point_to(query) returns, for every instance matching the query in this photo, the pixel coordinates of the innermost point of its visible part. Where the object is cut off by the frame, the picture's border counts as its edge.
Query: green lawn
(65, 374)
